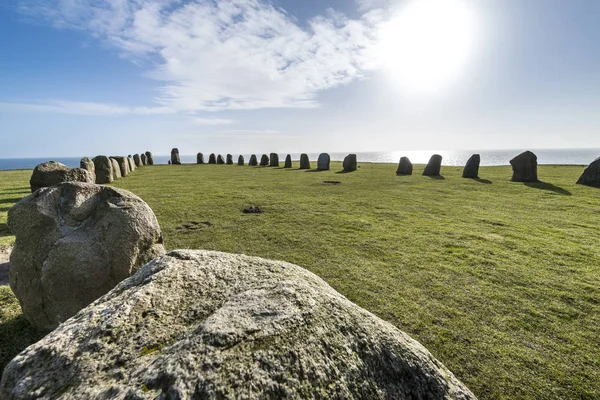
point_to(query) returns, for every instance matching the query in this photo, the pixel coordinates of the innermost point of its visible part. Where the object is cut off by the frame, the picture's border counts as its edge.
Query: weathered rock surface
(87, 164)
(591, 175)
(175, 156)
(220, 159)
(131, 163)
(405, 167)
(52, 173)
(75, 242)
(349, 163)
(323, 162)
(264, 160)
(104, 170)
(123, 165)
(472, 167)
(137, 160)
(116, 170)
(288, 161)
(434, 166)
(143, 159)
(149, 158)
(524, 167)
(240, 160)
(253, 161)
(212, 159)
(209, 325)
(199, 158)
(274, 160)
(229, 159)
(304, 161)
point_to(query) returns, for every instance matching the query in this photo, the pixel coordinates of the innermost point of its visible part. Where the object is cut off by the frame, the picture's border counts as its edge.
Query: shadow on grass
(436, 177)
(4, 230)
(548, 186)
(24, 189)
(11, 201)
(486, 181)
(15, 336)
(316, 170)
(344, 172)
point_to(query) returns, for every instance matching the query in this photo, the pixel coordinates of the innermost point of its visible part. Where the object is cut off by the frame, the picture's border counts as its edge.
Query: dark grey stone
(288, 162)
(472, 167)
(253, 161)
(199, 158)
(405, 167)
(323, 162)
(350, 163)
(212, 159)
(434, 166)
(524, 167)
(591, 175)
(264, 160)
(175, 157)
(241, 160)
(304, 161)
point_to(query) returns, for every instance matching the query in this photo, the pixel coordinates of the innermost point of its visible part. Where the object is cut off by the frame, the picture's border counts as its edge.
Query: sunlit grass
(499, 280)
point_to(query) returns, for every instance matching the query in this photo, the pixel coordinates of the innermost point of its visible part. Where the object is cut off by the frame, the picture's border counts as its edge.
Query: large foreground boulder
(253, 161)
(288, 161)
(87, 164)
(149, 158)
(175, 156)
(323, 162)
(591, 175)
(524, 167)
(274, 160)
(75, 242)
(472, 167)
(209, 325)
(104, 170)
(264, 160)
(304, 161)
(434, 166)
(53, 173)
(349, 163)
(405, 167)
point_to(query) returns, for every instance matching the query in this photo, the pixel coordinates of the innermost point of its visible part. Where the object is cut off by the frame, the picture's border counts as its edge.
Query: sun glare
(427, 44)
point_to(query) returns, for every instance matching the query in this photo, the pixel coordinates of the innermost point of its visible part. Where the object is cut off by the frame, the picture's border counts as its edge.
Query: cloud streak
(222, 55)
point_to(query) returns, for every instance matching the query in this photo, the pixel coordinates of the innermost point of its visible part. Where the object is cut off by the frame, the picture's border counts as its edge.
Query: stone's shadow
(17, 190)
(548, 186)
(5, 230)
(4, 270)
(4, 209)
(12, 200)
(344, 172)
(316, 170)
(486, 181)
(437, 177)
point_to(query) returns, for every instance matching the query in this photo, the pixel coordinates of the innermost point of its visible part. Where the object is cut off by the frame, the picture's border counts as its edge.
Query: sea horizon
(567, 156)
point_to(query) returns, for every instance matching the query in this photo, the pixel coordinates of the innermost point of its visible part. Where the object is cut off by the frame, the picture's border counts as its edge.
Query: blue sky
(83, 77)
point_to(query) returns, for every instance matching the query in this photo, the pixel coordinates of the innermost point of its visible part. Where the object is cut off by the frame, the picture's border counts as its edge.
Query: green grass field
(499, 280)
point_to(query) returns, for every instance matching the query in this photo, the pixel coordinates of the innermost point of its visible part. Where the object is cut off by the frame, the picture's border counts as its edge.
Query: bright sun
(427, 44)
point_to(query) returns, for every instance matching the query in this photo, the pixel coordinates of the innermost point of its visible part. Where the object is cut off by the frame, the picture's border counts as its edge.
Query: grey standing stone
(274, 160)
(149, 158)
(53, 173)
(200, 158)
(212, 159)
(87, 164)
(143, 159)
(131, 163)
(591, 175)
(405, 167)
(323, 162)
(75, 242)
(175, 156)
(349, 163)
(524, 167)
(104, 170)
(472, 167)
(116, 170)
(240, 160)
(220, 159)
(288, 161)
(123, 165)
(304, 161)
(253, 161)
(434, 166)
(264, 160)
(229, 159)
(137, 160)
(198, 324)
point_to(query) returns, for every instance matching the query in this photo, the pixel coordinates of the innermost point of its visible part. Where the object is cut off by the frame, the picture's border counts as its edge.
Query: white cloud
(227, 54)
(211, 121)
(84, 108)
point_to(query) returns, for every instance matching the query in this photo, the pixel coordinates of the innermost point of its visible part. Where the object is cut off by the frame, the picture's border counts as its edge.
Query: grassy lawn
(499, 280)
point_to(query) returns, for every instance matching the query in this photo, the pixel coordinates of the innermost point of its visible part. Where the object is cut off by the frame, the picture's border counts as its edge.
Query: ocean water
(452, 158)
